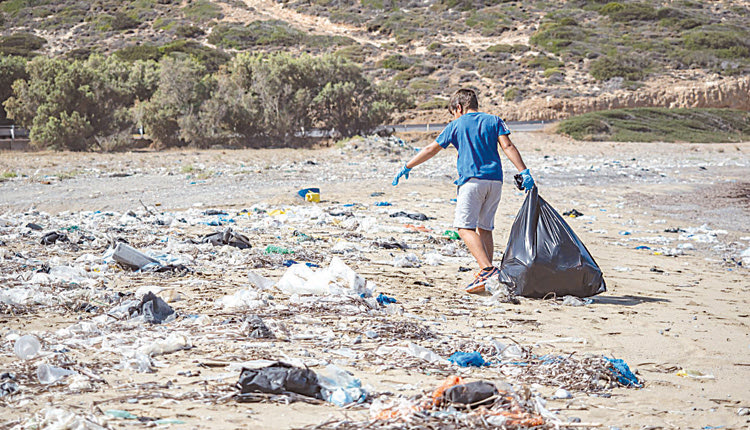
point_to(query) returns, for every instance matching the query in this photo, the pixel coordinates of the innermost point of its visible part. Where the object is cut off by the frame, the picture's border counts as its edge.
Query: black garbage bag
(545, 256)
(280, 378)
(52, 237)
(474, 393)
(153, 308)
(228, 237)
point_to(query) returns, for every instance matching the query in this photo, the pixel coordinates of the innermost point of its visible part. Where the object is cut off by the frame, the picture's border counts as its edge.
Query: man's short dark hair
(465, 98)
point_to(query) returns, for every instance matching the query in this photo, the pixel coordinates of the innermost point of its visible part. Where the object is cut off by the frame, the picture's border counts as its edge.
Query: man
(480, 176)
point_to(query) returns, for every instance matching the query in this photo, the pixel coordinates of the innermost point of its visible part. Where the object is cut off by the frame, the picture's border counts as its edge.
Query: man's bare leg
(489, 244)
(476, 245)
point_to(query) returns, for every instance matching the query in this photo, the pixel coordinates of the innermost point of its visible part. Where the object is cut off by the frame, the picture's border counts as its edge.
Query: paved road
(513, 125)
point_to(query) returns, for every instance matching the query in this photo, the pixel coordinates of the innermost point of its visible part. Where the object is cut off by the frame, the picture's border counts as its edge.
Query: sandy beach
(667, 224)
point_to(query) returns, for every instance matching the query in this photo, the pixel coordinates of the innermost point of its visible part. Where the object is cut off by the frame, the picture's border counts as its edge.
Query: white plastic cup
(27, 346)
(48, 374)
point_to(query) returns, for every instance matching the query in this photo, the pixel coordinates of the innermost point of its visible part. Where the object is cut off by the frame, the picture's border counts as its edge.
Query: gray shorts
(476, 204)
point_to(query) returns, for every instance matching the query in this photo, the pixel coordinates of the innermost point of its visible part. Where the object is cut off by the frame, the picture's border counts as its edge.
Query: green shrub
(139, 52)
(72, 104)
(269, 33)
(512, 94)
(396, 62)
(188, 31)
(434, 103)
(660, 124)
(356, 53)
(11, 69)
(555, 37)
(23, 44)
(13, 7)
(209, 57)
(628, 12)
(715, 39)
(202, 11)
(541, 61)
(624, 66)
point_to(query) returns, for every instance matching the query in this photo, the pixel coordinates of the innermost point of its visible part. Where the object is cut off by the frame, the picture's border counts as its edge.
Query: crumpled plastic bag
(545, 256)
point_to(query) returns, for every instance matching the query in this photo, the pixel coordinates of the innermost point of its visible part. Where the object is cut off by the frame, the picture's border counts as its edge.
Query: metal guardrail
(12, 132)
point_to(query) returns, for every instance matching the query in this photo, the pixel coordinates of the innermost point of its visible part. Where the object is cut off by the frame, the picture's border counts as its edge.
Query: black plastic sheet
(545, 256)
(280, 378)
(474, 393)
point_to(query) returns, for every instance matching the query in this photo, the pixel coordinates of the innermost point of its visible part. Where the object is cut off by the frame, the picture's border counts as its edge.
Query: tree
(70, 104)
(171, 115)
(11, 69)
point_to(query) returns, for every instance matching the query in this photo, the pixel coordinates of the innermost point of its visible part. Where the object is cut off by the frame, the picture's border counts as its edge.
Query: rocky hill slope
(529, 60)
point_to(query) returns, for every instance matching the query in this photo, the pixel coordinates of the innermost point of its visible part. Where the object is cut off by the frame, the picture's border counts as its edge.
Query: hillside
(529, 60)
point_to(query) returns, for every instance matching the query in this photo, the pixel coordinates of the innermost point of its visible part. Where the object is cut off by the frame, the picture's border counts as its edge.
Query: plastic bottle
(26, 347)
(48, 374)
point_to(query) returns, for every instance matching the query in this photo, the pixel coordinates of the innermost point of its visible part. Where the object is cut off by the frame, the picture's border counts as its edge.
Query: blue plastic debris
(465, 359)
(385, 300)
(623, 374)
(642, 247)
(303, 192)
(624, 233)
(383, 204)
(288, 263)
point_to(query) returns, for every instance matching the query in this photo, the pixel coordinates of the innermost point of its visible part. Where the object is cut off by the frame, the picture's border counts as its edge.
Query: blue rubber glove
(404, 172)
(528, 181)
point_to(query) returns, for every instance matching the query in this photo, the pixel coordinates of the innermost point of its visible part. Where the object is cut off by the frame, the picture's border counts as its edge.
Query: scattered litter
(573, 213)
(695, 374)
(153, 309)
(26, 347)
(227, 237)
(623, 374)
(465, 359)
(385, 300)
(53, 237)
(415, 216)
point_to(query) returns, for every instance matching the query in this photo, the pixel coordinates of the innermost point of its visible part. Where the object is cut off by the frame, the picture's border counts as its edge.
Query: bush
(70, 104)
(170, 117)
(202, 11)
(188, 31)
(512, 94)
(434, 103)
(628, 12)
(541, 61)
(660, 124)
(268, 33)
(396, 62)
(11, 69)
(22, 44)
(624, 66)
(139, 53)
(554, 37)
(724, 39)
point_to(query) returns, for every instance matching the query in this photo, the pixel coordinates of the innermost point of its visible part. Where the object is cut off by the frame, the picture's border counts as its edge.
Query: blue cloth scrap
(622, 372)
(465, 359)
(288, 263)
(385, 300)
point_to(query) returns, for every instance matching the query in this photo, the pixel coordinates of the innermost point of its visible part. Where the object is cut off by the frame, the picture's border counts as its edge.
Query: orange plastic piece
(450, 382)
(421, 228)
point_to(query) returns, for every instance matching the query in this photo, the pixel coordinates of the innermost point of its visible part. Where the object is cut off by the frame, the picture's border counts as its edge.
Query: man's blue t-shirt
(475, 135)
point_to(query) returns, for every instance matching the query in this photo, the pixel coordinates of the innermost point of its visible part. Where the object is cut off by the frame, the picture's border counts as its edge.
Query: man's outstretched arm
(425, 154)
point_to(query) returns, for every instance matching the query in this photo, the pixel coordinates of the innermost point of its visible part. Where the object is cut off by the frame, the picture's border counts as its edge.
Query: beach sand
(680, 304)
